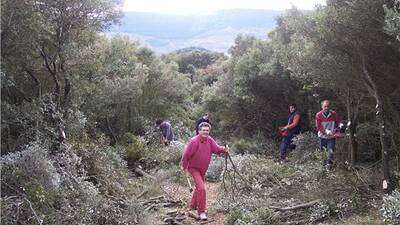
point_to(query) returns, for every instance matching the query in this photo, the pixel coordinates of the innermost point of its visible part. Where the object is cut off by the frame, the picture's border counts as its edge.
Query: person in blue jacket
(166, 131)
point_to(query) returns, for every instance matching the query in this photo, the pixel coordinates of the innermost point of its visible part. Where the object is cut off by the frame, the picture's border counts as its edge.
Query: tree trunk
(311, 119)
(384, 140)
(67, 82)
(113, 137)
(380, 117)
(39, 86)
(353, 143)
(352, 115)
(130, 126)
(52, 68)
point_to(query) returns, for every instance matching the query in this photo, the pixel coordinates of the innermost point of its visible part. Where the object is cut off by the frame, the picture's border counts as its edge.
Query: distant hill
(165, 33)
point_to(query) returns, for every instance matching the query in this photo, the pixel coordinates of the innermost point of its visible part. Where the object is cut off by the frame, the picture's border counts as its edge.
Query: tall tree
(38, 42)
(346, 43)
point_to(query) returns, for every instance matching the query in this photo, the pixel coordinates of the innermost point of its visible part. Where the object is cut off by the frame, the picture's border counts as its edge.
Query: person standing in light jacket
(195, 161)
(327, 122)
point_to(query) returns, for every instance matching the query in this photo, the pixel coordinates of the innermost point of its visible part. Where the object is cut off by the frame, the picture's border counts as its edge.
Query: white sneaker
(203, 216)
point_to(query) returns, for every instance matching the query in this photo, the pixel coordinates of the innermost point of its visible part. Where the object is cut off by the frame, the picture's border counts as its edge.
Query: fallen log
(142, 194)
(180, 218)
(169, 220)
(301, 206)
(148, 208)
(297, 222)
(172, 212)
(207, 221)
(167, 204)
(156, 198)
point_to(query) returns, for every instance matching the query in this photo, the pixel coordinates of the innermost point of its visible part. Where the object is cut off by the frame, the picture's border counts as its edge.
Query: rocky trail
(172, 206)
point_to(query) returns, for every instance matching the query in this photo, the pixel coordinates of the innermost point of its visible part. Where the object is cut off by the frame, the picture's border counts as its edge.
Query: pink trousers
(198, 201)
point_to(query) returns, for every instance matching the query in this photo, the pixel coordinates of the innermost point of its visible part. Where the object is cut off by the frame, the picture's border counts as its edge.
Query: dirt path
(179, 192)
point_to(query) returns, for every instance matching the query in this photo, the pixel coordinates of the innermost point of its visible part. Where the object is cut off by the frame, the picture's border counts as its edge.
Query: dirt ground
(179, 192)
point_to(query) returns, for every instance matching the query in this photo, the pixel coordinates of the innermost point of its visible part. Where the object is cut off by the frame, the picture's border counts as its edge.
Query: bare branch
(301, 206)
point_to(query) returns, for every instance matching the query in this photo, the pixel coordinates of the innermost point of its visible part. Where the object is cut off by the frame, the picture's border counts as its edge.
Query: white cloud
(196, 6)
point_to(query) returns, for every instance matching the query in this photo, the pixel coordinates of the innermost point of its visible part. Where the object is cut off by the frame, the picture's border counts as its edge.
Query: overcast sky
(204, 6)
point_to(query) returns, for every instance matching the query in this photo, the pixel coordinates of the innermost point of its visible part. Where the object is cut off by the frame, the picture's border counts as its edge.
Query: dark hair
(294, 105)
(204, 124)
(159, 121)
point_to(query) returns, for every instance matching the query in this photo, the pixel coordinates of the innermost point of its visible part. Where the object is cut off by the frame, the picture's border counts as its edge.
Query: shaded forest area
(78, 138)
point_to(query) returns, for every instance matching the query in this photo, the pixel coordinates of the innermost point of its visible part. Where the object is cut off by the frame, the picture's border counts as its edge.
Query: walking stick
(190, 185)
(228, 160)
(188, 180)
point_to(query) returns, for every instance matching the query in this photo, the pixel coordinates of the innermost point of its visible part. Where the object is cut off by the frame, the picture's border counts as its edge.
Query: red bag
(283, 133)
(338, 135)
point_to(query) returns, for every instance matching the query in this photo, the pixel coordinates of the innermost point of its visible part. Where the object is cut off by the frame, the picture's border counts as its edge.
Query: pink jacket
(197, 153)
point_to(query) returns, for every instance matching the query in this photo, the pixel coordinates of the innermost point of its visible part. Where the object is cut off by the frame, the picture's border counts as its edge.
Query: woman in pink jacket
(195, 161)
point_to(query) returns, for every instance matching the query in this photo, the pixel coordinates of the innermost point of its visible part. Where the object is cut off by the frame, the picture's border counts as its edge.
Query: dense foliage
(78, 113)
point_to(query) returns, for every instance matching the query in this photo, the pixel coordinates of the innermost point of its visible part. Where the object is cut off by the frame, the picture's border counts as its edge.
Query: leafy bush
(76, 123)
(172, 173)
(233, 216)
(29, 183)
(368, 140)
(255, 145)
(391, 208)
(173, 153)
(163, 156)
(261, 216)
(307, 146)
(134, 146)
(322, 211)
(216, 168)
(81, 184)
(259, 178)
(105, 167)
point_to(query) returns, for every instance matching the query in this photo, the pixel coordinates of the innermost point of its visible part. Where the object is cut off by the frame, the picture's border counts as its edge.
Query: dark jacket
(296, 129)
(167, 131)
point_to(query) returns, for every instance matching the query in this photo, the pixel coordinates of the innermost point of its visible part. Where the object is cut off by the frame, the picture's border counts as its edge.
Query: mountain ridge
(215, 31)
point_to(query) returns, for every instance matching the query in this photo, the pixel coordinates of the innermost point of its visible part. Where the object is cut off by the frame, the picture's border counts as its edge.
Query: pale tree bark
(352, 115)
(380, 117)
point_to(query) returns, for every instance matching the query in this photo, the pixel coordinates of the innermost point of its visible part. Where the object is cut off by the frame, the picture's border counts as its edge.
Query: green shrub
(323, 210)
(256, 145)
(391, 208)
(83, 183)
(216, 168)
(368, 140)
(105, 167)
(162, 156)
(29, 184)
(234, 216)
(264, 215)
(307, 147)
(260, 216)
(134, 146)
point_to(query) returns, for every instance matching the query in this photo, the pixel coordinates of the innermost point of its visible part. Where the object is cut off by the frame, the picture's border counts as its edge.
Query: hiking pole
(188, 180)
(190, 185)
(225, 174)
